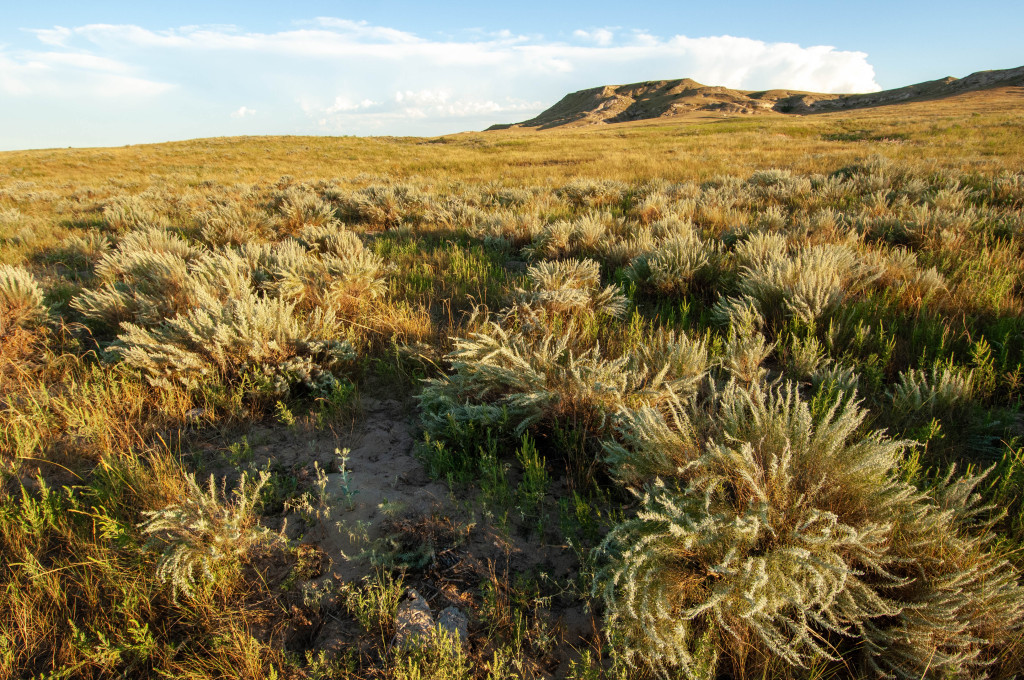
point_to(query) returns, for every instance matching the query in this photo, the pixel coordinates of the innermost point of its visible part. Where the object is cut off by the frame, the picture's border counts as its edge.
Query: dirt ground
(382, 510)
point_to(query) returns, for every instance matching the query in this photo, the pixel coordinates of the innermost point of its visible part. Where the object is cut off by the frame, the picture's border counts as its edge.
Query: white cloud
(601, 36)
(58, 35)
(72, 75)
(412, 107)
(364, 31)
(344, 104)
(646, 39)
(748, 63)
(441, 104)
(351, 76)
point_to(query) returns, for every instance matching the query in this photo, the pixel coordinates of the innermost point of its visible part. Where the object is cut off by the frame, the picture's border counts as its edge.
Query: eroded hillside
(675, 98)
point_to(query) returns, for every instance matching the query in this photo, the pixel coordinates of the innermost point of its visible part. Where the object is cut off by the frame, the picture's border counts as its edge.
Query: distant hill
(668, 98)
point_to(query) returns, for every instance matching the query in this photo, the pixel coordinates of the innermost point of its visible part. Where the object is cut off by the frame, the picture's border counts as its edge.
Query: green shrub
(262, 339)
(788, 533)
(21, 299)
(571, 287)
(746, 348)
(332, 282)
(804, 286)
(503, 228)
(526, 380)
(326, 267)
(128, 213)
(145, 279)
(945, 392)
(234, 223)
(668, 366)
(677, 265)
(203, 537)
(381, 205)
(301, 210)
(562, 238)
(82, 251)
(154, 275)
(593, 192)
(961, 603)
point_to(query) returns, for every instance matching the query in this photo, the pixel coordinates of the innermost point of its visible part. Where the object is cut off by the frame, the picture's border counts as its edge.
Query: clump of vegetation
(543, 378)
(803, 286)
(152, 274)
(131, 212)
(234, 223)
(571, 287)
(82, 251)
(944, 391)
(331, 270)
(256, 339)
(678, 265)
(526, 380)
(21, 299)
(203, 537)
(789, 533)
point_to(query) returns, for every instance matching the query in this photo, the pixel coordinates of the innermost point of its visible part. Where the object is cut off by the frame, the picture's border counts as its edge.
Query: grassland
(710, 398)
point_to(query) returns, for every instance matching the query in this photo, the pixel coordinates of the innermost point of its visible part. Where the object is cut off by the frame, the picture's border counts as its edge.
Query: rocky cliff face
(665, 98)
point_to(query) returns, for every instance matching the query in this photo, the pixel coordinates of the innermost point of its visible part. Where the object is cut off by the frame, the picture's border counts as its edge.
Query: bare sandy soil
(383, 508)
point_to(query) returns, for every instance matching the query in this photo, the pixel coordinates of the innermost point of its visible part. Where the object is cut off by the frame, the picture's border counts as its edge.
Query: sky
(113, 73)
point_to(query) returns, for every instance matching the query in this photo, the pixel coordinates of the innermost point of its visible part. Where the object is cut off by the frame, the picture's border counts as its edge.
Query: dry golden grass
(976, 132)
(926, 198)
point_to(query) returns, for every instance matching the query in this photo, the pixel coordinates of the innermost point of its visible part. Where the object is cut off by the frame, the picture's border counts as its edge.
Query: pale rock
(454, 624)
(413, 619)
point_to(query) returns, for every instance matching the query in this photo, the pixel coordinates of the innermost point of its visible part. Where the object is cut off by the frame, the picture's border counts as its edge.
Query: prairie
(708, 397)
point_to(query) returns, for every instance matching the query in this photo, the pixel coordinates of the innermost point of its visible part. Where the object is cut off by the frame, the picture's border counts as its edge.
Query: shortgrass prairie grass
(761, 378)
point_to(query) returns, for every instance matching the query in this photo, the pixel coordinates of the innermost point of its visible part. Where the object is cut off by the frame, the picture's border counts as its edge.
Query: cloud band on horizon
(335, 76)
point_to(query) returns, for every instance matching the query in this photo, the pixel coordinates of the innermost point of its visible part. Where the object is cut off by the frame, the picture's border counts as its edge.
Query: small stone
(454, 624)
(413, 619)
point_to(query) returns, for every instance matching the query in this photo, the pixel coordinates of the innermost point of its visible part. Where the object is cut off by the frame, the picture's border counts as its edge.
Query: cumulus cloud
(350, 76)
(243, 112)
(741, 62)
(343, 104)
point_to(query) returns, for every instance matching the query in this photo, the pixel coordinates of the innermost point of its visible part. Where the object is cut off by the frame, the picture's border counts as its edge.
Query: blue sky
(112, 73)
